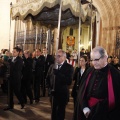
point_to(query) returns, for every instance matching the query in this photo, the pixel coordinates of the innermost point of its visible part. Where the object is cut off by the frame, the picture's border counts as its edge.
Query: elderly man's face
(98, 61)
(59, 57)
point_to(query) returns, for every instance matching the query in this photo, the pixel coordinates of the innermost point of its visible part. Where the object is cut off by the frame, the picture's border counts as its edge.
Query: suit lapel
(63, 66)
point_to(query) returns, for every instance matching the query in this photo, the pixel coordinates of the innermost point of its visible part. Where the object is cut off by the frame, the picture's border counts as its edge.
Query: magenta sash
(93, 101)
(86, 83)
(111, 97)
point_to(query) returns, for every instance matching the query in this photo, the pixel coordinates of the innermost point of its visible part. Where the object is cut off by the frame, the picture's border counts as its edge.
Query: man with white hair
(60, 76)
(99, 92)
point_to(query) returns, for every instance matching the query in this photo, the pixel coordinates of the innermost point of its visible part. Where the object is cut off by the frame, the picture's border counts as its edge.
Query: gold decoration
(70, 40)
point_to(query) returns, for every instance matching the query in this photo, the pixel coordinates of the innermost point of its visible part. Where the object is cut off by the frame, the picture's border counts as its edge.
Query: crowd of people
(24, 75)
(95, 77)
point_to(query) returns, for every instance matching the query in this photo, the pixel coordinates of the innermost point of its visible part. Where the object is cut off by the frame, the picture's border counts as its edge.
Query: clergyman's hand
(86, 112)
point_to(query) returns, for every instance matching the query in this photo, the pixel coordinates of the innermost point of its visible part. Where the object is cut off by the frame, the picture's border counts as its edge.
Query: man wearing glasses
(60, 76)
(99, 92)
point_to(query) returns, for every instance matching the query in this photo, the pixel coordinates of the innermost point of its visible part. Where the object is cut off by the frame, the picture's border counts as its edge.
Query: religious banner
(70, 40)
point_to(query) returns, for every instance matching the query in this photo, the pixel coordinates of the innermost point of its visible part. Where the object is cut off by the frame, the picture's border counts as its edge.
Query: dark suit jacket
(39, 66)
(77, 78)
(16, 70)
(48, 61)
(27, 68)
(60, 80)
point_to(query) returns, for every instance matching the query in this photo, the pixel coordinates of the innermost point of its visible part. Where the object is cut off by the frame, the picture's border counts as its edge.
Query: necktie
(45, 56)
(59, 66)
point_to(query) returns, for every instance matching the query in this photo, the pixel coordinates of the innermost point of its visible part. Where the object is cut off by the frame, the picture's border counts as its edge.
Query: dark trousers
(26, 89)
(43, 88)
(58, 110)
(37, 88)
(14, 88)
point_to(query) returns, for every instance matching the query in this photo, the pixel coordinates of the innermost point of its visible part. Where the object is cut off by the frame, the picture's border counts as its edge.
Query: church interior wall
(6, 33)
(84, 37)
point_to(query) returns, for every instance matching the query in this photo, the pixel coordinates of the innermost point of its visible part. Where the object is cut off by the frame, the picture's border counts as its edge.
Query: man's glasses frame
(58, 56)
(96, 60)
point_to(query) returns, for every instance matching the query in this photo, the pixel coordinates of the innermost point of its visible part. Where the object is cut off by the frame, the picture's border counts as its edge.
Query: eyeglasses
(58, 56)
(96, 60)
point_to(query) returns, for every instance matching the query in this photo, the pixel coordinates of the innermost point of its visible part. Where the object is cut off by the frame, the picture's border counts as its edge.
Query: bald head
(101, 50)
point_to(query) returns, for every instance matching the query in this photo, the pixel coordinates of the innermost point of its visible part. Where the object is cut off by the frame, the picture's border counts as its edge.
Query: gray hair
(101, 50)
(63, 52)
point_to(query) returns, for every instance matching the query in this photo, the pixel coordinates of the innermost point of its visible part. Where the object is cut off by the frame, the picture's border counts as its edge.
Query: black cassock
(98, 88)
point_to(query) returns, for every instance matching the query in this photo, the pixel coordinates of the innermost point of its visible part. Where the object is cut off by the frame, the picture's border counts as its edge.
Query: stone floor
(39, 111)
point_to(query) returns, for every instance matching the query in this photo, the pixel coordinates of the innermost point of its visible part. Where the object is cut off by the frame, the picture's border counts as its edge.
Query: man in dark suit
(27, 78)
(49, 59)
(60, 76)
(16, 65)
(39, 61)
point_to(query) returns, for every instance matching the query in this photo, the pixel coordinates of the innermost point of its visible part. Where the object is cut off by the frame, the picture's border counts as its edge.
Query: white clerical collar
(105, 65)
